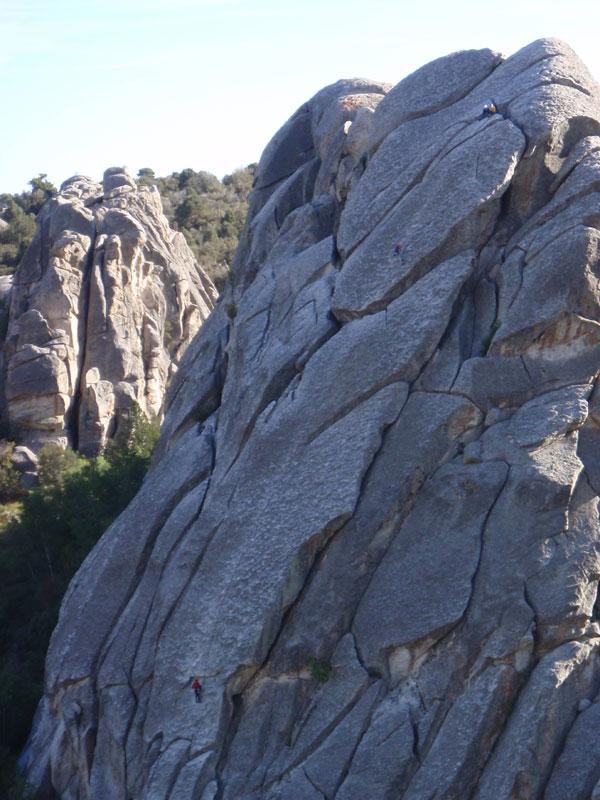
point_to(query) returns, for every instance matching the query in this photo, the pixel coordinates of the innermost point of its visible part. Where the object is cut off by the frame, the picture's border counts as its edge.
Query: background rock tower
(103, 305)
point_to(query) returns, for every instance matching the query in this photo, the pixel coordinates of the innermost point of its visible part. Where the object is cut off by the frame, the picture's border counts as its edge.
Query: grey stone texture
(102, 308)
(371, 525)
(24, 460)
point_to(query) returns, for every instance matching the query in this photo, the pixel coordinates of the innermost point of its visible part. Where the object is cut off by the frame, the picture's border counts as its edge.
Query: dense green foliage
(210, 213)
(10, 479)
(319, 670)
(40, 552)
(17, 212)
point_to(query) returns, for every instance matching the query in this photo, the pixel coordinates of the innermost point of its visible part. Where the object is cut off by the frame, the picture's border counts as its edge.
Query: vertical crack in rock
(198, 481)
(475, 575)
(324, 734)
(72, 420)
(313, 784)
(184, 489)
(229, 735)
(321, 554)
(206, 476)
(346, 770)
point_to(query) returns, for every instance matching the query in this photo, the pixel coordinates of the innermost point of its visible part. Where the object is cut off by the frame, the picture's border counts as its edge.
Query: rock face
(371, 528)
(102, 307)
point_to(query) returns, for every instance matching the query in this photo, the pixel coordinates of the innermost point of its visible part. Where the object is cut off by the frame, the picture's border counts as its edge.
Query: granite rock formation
(371, 527)
(102, 307)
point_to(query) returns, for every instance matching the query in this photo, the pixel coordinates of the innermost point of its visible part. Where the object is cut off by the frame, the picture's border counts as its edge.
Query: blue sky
(169, 84)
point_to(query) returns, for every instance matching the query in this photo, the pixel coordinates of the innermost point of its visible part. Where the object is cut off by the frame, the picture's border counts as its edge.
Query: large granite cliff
(102, 307)
(371, 527)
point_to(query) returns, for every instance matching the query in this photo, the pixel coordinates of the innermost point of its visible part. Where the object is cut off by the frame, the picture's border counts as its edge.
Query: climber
(489, 110)
(197, 689)
(397, 248)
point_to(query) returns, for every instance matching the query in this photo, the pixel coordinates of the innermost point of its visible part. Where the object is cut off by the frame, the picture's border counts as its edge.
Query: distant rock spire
(103, 305)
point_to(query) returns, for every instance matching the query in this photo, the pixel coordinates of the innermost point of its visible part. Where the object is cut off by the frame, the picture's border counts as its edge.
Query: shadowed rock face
(387, 463)
(103, 305)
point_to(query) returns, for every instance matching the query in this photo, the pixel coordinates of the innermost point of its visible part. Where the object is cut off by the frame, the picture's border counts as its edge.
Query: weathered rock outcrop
(371, 527)
(102, 307)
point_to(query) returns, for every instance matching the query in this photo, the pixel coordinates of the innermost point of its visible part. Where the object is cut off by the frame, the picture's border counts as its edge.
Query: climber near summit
(489, 110)
(197, 689)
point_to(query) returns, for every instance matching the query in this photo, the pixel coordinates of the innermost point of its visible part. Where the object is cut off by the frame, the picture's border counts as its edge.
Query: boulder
(24, 460)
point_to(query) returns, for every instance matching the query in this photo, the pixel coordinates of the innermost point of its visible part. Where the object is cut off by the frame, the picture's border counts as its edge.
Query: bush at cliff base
(59, 524)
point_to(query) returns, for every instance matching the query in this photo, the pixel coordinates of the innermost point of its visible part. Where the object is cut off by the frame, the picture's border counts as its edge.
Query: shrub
(59, 524)
(18, 211)
(210, 213)
(319, 670)
(10, 478)
(55, 462)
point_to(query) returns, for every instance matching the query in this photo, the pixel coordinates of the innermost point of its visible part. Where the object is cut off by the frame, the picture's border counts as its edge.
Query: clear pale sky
(169, 84)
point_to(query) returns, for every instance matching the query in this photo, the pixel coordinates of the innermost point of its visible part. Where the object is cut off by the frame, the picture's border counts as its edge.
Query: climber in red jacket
(197, 689)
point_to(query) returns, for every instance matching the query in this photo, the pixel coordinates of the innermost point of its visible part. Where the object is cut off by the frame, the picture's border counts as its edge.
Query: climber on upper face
(197, 689)
(397, 249)
(489, 110)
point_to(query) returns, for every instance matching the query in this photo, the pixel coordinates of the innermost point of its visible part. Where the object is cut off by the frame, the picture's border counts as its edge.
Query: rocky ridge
(371, 527)
(102, 307)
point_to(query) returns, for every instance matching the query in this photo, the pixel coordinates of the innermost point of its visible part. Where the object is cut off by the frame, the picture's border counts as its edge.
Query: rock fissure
(314, 785)
(348, 764)
(182, 760)
(228, 737)
(345, 410)
(186, 585)
(281, 179)
(72, 424)
(274, 391)
(323, 735)
(176, 544)
(289, 610)
(475, 576)
(562, 233)
(563, 176)
(105, 645)
(416, 181)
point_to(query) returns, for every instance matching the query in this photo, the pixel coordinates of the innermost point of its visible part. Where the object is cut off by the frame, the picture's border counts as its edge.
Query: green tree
(41, 190)
(16, 236)
(42, 184)
(10, 478)
(17, 221)
(146, 177)
(210, 213)
(55, 463)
